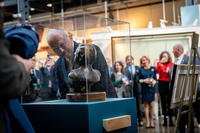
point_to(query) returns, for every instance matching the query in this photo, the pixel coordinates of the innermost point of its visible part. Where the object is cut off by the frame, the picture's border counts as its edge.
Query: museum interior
(97, 66)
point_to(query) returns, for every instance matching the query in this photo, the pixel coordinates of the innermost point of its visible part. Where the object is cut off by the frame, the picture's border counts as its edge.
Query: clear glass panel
(84, 76)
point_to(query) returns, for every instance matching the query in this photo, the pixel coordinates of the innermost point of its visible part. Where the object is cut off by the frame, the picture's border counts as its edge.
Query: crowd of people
(41, 87)
(147, 83)
(14, 72)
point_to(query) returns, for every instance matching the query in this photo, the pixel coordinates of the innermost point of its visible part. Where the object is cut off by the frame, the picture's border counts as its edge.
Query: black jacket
(134, 80)
(61, 71)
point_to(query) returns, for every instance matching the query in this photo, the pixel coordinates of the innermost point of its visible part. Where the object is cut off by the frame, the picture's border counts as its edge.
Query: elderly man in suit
(63, 45)
(181, 58)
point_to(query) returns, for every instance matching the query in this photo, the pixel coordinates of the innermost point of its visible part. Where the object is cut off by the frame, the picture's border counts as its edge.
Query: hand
(126, 83)
(28, 64)
(147, 81)
(167, 70)
(116, 89)
(163, 60)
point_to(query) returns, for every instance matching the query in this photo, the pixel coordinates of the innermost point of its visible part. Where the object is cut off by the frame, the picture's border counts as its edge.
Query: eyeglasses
(58, 47)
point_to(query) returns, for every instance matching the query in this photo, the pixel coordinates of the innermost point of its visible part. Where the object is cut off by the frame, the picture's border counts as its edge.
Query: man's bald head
(178, 50)
(60, 42)
(55, 34)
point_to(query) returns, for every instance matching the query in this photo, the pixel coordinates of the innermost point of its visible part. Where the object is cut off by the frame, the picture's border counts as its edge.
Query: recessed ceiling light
(49, 5)
(32, 9)
(16, 15)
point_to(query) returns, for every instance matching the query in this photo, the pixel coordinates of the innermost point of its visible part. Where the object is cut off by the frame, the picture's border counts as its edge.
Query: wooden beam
(116, 123)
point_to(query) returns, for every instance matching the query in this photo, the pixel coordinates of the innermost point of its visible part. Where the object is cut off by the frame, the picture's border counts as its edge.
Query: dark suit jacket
(32, 90)
(46, 88)
(37, 75)
(185, 59)
(13, 83)
(134, 80)
(61, 71)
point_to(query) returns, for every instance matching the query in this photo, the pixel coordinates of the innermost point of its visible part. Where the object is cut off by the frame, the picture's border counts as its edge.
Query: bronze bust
(85, 56)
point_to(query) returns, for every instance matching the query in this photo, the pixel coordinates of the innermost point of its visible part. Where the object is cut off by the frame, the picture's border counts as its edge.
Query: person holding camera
(18, 44)
(14, 72)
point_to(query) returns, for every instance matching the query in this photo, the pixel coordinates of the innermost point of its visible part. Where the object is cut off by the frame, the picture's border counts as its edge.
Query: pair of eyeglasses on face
(55, 49)
(59, 46)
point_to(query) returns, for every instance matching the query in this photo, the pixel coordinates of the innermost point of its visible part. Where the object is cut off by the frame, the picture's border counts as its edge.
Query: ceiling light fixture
(32, 9)
(16, 15)
(49, 5)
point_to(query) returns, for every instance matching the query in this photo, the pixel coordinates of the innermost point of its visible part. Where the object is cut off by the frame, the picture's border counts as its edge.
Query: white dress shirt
(178, 60)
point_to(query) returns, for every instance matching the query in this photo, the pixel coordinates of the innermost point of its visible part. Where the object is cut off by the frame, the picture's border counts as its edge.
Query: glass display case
(87, 100)
(85, 70)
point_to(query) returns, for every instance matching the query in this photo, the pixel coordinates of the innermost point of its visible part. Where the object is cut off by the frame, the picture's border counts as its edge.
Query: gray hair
(55, 32)
(179, 47)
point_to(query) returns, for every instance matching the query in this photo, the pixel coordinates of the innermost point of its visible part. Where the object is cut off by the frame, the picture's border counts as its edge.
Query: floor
(160, 129)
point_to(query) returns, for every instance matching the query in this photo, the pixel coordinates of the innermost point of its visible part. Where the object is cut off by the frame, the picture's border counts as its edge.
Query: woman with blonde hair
(147, 76)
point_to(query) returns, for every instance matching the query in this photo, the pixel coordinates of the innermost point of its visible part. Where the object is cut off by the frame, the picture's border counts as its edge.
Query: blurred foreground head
(23, 40)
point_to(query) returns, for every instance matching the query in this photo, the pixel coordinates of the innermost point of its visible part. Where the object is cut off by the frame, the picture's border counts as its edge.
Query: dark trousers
(2, 121)
(138, 96)
(184, 121)
(165, 95)
(197, 107)
(139, 108)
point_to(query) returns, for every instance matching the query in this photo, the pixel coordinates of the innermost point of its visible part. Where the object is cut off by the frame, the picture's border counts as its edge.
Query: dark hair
(129, 56)
(23, 40)
(169, 56)
(121, 64)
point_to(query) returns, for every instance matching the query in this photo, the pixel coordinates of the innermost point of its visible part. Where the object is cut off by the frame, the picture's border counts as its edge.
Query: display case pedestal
(81, 117)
